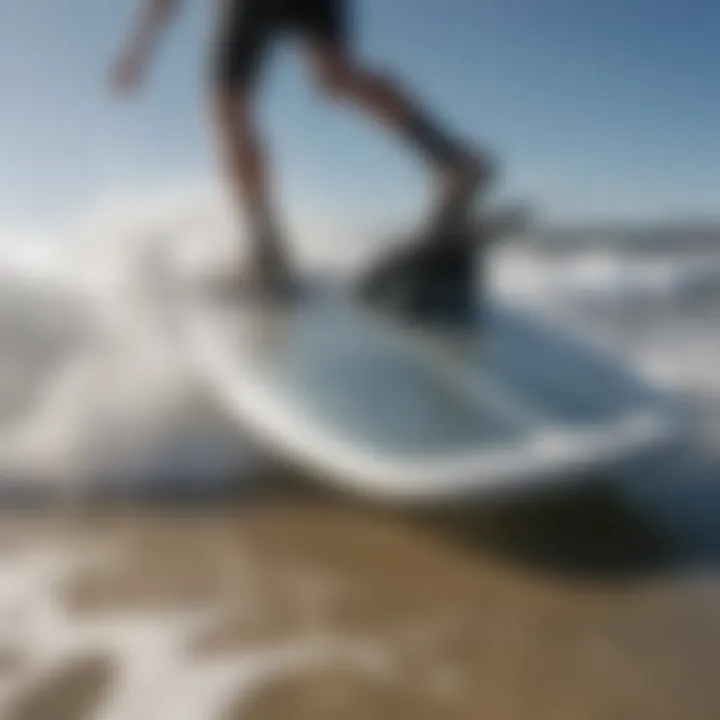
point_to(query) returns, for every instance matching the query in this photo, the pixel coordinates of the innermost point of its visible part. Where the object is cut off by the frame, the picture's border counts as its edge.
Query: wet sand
(569, 608)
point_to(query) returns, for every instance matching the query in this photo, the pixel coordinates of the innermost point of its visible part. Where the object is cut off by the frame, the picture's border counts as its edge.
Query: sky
(597, 109)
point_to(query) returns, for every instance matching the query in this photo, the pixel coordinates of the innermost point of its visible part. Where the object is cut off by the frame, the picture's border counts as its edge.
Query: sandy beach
(303, 607)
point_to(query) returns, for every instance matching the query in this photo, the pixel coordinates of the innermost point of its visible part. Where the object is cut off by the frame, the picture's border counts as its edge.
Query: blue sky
(599, 108)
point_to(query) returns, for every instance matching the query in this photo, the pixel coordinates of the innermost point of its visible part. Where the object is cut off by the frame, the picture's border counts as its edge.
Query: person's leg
(246, 31)
(462, 172)
(245, 164)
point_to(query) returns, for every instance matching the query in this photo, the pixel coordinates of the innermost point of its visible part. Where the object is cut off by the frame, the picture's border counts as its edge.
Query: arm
(149, 26)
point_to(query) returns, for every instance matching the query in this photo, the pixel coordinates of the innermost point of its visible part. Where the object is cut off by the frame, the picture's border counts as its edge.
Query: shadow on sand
(602, 529)
(597, 530)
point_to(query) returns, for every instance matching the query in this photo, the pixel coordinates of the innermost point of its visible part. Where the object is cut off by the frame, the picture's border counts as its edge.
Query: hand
(127, 74)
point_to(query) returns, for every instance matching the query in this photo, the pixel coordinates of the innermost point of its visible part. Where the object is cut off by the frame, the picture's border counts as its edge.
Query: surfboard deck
(402, 411)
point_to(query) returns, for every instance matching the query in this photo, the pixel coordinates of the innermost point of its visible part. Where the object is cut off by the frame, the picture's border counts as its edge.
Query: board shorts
(247, 28)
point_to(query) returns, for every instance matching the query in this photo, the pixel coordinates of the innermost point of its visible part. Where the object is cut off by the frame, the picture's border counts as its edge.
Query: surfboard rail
(549, 453)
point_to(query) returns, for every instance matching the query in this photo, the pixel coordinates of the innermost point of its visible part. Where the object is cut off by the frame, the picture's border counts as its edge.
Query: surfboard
(405, 411)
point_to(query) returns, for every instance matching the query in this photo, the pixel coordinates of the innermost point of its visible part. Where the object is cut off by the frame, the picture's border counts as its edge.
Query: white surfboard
(405, 413)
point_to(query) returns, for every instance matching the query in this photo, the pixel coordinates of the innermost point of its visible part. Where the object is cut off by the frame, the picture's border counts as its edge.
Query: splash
(95, 391)
(154, 671)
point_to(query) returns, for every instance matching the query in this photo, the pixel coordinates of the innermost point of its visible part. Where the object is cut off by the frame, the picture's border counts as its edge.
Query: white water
(94, 393)
(660, 314)
(155, 674)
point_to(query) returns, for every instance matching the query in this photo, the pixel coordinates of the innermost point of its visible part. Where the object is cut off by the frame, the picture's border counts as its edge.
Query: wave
(94, 393)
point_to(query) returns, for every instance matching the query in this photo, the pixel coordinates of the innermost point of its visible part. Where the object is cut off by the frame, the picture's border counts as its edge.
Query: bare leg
(462, 172)
(246, 167)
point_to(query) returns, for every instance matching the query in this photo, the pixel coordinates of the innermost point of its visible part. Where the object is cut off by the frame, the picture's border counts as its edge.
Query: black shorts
(248, 27)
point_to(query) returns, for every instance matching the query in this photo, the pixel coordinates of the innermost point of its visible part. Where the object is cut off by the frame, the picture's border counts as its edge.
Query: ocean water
(96, 395)
(305, 610)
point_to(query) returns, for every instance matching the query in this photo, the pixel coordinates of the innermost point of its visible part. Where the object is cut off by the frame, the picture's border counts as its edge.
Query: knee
(353, 80)
(336, 79)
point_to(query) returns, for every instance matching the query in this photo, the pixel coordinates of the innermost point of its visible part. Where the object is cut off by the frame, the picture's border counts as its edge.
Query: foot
(462, 180)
